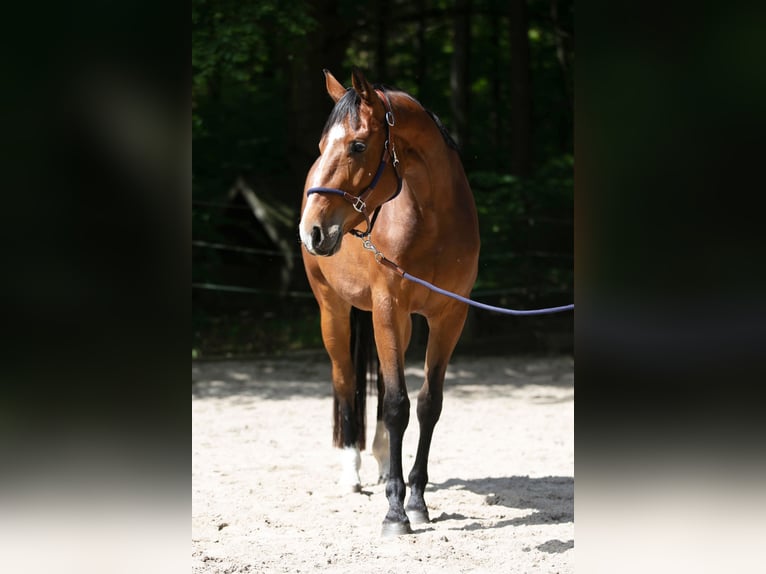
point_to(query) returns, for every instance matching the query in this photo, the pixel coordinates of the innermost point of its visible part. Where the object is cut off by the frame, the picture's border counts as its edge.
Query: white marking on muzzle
(303, 229)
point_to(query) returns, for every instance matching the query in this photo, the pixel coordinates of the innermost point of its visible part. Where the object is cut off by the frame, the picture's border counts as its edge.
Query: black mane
(348, 106)
(445, 134)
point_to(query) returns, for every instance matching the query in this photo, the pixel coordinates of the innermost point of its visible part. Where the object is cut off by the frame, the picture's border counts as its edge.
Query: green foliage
(232, 41)
(237, 48)
(247, 61)
(526, 229)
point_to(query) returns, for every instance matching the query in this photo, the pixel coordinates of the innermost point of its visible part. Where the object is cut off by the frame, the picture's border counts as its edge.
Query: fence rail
(239, 248)
(309, 295)
(272, 252)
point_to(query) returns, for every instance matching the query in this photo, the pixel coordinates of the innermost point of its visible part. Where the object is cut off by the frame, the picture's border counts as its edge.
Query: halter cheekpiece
(359, 201)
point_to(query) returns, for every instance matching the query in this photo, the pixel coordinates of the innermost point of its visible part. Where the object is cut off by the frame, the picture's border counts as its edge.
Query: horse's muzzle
(320, 241)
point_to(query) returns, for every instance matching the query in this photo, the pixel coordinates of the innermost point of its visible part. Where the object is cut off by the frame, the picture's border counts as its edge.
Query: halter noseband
(358, 201)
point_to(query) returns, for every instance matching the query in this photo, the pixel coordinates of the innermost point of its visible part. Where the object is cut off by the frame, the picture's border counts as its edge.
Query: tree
(382, 9)
(309, 105)
(521, 90)
(459, 78)
(421, 71)
(563, 53)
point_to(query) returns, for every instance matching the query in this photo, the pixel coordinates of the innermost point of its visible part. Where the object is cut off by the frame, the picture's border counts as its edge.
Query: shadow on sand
(551, 498)
(308, 374)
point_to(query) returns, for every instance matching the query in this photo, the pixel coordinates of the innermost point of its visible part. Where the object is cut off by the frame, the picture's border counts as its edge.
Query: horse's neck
(440, 199)
(431, 167)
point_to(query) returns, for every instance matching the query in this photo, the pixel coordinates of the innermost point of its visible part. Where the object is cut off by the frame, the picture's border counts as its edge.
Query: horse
(388, 186)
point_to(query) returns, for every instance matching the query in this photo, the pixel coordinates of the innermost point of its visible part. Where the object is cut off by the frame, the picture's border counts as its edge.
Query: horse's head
(342, 185)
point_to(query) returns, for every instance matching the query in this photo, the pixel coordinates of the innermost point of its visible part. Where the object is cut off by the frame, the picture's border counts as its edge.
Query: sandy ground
(265, 497)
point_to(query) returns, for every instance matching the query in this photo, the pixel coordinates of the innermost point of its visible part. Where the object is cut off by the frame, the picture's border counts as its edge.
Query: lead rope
(386, 262)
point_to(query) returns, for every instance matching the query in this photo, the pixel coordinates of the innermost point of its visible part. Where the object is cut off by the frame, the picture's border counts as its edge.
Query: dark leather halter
(359, 201)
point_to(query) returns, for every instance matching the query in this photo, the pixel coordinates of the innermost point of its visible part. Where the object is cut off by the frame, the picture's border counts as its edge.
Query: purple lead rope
(386, 262)
(484, 306)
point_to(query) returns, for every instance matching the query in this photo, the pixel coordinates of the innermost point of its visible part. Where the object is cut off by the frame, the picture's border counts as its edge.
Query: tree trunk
(496, 132)
(381, 40)
(309, 103)
(565, 135)
(421, 48)
(459, 78)
(521, 91)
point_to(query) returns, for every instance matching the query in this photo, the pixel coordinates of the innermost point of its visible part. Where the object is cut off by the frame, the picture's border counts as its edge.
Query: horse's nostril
(316, 235)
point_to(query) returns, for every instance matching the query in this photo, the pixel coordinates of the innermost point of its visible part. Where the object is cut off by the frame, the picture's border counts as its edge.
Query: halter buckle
(390, 119)
(359, 204)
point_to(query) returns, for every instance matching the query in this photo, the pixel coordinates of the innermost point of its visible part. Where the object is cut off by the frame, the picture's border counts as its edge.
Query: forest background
(498, 74)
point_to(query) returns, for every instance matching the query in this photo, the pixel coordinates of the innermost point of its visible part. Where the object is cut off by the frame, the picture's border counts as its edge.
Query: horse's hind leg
(380, 442)
(444, 332)
(348, 406)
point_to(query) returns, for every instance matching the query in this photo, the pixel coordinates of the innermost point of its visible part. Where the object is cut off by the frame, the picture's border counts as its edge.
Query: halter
(359, 201)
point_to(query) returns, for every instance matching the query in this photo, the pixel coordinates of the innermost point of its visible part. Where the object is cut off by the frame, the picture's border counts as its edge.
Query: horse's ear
(362, 86)
(334, 87)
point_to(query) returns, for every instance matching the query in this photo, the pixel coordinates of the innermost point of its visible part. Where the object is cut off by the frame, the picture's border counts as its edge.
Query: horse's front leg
(348, 413)
(444, 332)
(392, 330)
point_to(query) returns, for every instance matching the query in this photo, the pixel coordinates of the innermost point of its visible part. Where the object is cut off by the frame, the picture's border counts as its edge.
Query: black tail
(349, 428)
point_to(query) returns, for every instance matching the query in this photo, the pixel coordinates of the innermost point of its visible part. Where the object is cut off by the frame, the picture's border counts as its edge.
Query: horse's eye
(358, 147)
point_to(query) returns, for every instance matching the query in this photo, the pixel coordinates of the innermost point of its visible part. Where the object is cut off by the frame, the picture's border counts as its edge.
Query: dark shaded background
(499, 75)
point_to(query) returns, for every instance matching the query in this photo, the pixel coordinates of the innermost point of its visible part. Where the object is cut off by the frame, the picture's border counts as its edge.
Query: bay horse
(387, 163)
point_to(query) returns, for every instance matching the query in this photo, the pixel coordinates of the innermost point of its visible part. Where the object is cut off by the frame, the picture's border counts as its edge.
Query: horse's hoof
(418, 516)
(391, 529)
(354, 488)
